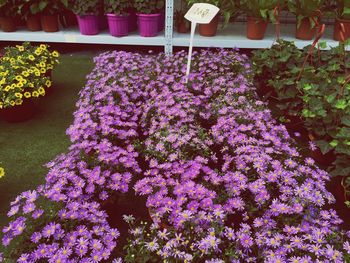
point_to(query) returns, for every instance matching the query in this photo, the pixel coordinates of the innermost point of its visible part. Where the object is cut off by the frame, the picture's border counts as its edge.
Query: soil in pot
(8, 24)
(304, 31)
(256, 28)
(19, 113)
(49, 23)
(118, 25)
(34, 23)
(148, 24)
(337, 29)
(89, 24)
(209, 30)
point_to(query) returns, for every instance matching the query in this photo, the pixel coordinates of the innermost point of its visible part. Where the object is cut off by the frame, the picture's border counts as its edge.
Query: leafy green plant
(148, 6)
(310, 9)
(343, 9)
(318, 93)
(117, 7)
(87, 7)
(8, 8)
(261, 9)
(228, 8)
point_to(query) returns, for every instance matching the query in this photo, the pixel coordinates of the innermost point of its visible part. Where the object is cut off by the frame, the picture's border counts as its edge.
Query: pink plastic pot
(148, 24)
(118, 25)
(88, 24)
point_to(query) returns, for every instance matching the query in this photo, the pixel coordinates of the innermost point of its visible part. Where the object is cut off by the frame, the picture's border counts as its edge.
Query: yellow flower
(19, 78)
(55, 54)
(37, 51)
(19, 85)
(48, 83)
(18, 95)
(12, 103)
(35, 94)
(25, 73)
(43, 47)
(20, 48)
(37, 73)
(2, 172)
(13, 86)
(42, 64)
(31, 57)
(12, 60)
(7, 88)
(27, 95)
(18, 101)
(42, 70)
(41, 91)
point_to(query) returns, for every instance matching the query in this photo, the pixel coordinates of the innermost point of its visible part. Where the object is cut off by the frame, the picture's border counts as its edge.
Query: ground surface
(26, 147)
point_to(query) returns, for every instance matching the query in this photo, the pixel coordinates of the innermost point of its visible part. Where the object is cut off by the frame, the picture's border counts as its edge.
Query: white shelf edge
(74, 36)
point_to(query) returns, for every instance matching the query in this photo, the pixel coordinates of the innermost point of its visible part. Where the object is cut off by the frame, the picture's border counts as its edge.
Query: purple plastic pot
(118, 25)
(88, 24)
(148, 24)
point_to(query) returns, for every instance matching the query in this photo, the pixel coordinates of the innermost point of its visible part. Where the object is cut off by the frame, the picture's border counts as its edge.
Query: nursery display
(223, 181)
(117, 12)
(30, 11)
(308, 13)
(49, 10)
(8, 11)
(87, 12)
(259, 13)
(25, 74)
(148, 16)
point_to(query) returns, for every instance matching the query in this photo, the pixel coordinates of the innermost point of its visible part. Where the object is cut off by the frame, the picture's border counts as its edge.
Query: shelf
(72, 35)
(234, 35)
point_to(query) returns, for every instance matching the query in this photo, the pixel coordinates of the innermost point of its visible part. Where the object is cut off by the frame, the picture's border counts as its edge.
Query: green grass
(25, 147)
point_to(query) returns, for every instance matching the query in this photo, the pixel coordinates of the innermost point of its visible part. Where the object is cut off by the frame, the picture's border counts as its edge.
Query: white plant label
(199, 13)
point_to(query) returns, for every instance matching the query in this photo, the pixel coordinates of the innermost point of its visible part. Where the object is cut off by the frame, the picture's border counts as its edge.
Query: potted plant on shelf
(8, 9)
(30, 11)
(181, 24)
(24, 76)
(308, 13)
(50, 10)
(118, 16)
(259, 13)
(228, 8)
(342, 23)
(87, 12)
(148, 16)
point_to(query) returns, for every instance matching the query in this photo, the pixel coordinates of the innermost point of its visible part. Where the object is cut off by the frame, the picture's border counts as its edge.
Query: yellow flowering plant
(25, 72)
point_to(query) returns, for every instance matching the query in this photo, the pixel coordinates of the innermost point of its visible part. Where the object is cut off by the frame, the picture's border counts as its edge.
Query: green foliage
(87, 7)
(9, 8)
(343, 11)
(148, 6)
(310, 9)
(117, 7)
(319, 93)
(261, 9)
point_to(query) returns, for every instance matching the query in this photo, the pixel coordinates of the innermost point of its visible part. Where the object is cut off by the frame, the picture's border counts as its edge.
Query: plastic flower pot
(256, 28)
(49, 23)
(182, 26)
(8, 24)
(118, 25)
(304, 31)
(88, 24)
(148, 24)
(337, 29)
(19, 113)
(33, 23)
(209, 30)
(132, 20)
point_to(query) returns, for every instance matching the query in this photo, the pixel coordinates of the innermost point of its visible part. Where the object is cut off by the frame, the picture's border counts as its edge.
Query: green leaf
(345, 120)
(341, 104)
(334, 143)
(324, 146)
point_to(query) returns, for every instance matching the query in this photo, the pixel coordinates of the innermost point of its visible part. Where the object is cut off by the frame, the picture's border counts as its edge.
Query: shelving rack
(232, 36)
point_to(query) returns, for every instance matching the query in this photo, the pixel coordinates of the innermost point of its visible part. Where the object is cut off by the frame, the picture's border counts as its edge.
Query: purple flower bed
(224, 182)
